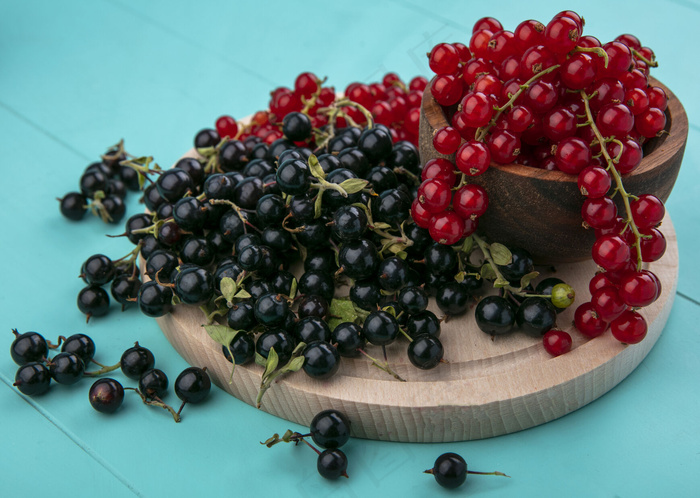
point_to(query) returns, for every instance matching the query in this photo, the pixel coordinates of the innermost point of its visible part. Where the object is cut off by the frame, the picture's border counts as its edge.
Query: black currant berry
(93, 181)
(348, 338)
(495, 315)
(278, 339)
(271, 309)
(296, 126)
(28, 347)
(440, 259)
(413, 299)
(332, 464)
(317, 283)
(293, 177)
(366, 294)
(312, 328)
(98, 269)
(330, 429)
(32, 378)
(206, 138)
(73, 206)
(80, 344)
(358, 258)
(125, 289)
(173, 184)
(392, 274)
(322, 260)
(136, 360)
(425, 351)
(192, 167)
(312, 306)
(93, 301)
(196, 250)
(376, 144)
(450, 470)
(243, 348)
(423, 322)
(153, 383)
(106, 395)
(189, 213)
(520, 266)
(536, 315)
(321, 360)
(66, 368)
(349, 222)
(380, 328)
(452, 298)
(154, 299)
(193, 385)
(233, 155)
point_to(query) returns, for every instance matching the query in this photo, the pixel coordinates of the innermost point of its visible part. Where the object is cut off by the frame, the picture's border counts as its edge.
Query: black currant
(392, 273)
(32, 378)
(424, 322)
(271, 309)
(380, 328)
(312, 328)
(317, 283)
(98, 269)
(495, 315)
(413, 299)
(520, 265)
(330, 429)
(241, 316)
(243, 348)
(278, 339)
(66, 368)
(193, 385)
(296, 126)
(536, 315)
(293, 177)
(106, 395)
(332, 464)
(173, 184)
(73, 206)
(206, 138)
(154, 299)
(93, 301)
(153, 383)
(80, 344)
(358, 258)
(135, 361)
(348, 338)
(321, 360)
(28, 347)
(194, 285)
(425, 351)
(452, 298)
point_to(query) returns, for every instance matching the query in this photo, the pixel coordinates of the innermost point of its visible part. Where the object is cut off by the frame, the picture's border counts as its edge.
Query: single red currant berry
(541, 96)
(561, 35)
(572, 155)
(470, 226)
(420, 215)
(557, 342)
(614, 120)
(588, 41)
(382, 113)
(418, 83)
(519, 118)
(647, 211)
(477, 108)
(479, 43)
(628, 157)
(411, 121)
(608, 304)
(578, 71)
(463, 51)
(636, 100)
(470, 200)
(306, 84)
(528, 34)
(488, 84)
(490, 23)
(558, 124)
(594, 182)
(446, 227)
(599, 212)
(504, 146)
(473, 158)
(474, 68)
(619, 60)
(630, 40)
(599, 281)
(605, 91)
(446, 89)
(611, 252)
(650, 122)
(501, 45)
(443, 59)
(536, 59)
(629, 328)
(588, 322)
(572, 15)
(441, 169)
(657, 97)
(226, 126)
(654, 246)
(638, 289)
(446, 140)
(434, 195)
(509, 68)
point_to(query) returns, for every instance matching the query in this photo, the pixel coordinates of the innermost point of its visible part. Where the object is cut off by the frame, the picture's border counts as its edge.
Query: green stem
(382, 366)
(156, 402)
(482, 132)
(618, 180)
(105, 369)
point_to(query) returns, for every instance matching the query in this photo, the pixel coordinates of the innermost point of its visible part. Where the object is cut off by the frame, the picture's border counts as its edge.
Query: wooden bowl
(540, 210)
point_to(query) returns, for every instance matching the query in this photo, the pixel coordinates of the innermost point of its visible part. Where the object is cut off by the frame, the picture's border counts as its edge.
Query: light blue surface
(76, 76)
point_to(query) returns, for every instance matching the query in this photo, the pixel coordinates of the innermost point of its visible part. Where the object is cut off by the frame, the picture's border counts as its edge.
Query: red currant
(607, 303)
(588, 322)
(446, 227)
(572, 155)
(561, 35)
(446, 89)
(594, 182)
(504, 146)
(441, 169)
(599, 212)
(559, 123)
(599, 281)
(226, 126)
(629, 328)
(578, 71)
(443, 59)
(434, 195)
(631, 155)
(473, 158)
(653, 247)
(519, 118)
(420, 215)
(657, 97)
(446, 140)
(470, 200)
(638, 289)
(528, 34)
(650, 122)
(306, 84)
(647, 211)
(611, 252)
(557, 342)
(615, 120)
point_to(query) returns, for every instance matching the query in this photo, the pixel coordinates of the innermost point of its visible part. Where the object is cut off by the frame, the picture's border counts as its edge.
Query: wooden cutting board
(489, 387)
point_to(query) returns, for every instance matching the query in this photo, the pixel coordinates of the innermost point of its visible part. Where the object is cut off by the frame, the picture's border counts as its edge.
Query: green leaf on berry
(228, 288)
(242, 294)
(500, 282)
(316, 168)
(460, 277)
(260, 359)
(293, 289)
(221, 333)
(353, 185)
(526, 279)
(318, 204)
(341, 310)
(295, 364)
(487, 272)
(501, 254)
(271, 363)
(390, 309)
(467, 245)
(380, 224)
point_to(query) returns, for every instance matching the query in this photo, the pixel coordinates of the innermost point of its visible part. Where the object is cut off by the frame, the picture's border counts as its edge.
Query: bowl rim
(662, 146)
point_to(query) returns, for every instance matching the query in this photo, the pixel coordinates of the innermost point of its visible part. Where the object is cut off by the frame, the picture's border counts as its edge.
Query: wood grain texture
(489, 387)
(540, 210)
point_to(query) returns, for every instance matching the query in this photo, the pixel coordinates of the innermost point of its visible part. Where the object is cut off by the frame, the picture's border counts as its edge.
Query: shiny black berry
(28, 347)
(312, 328)
(495, 315)
(278, 339)
(293, 177)
(106, 395)
(136, 360)
(206, 138)
(452, 298)
(332, 464)
(193, 385)
(98, 269)
(423, 322)
(358, 258)
(153, 383)
(32, 378)
(348, 338)
(80, 344)
(450, 470)
(536, 315)
(380, 328)
(413, 299)
(93, 301)
(243, 348)
(520, 265)
(425, 351)
(66, 368)
(296, 126)
(154, 299)
(73, 206)
(321, 360)
(330, 429)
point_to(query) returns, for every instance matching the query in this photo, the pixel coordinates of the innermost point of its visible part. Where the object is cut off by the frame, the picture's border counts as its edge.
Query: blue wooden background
(76, 76)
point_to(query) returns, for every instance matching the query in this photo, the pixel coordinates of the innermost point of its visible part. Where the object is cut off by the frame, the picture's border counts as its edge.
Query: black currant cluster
(30, 351)
(99, 270)
(103, 188)
(330, 429)
(534, 310)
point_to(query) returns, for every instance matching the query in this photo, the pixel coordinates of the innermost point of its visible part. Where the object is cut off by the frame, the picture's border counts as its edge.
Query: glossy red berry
(420, 215)
(226, 126)
(490, 23)
(615, 120)
(578, 71)
(650, 122)
(536, 59)
(599, 281)
(441, 169)
(446, 227)
(446, 140)
(473, 158)
(306, 84)
(636, 100)
(647, 211)
(504, 146)
(611, 252)
(443, 59)
(608, 304)
(434, 195)
(654, 246)
(638, 289)
(559, 123)
(599, 212)
(629, 328)
(557, 342)
(470, 200)
(519, 118)
(619, 60)
(572, 155)
(657, 98)
(561, 35)
(528, 34)
(479, 43)
(627, 157)
(477, 108)
(502, 45)
(594, 182)
(588, 322)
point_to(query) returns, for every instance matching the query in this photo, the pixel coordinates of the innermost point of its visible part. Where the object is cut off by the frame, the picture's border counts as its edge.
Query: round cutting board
(490, 386)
